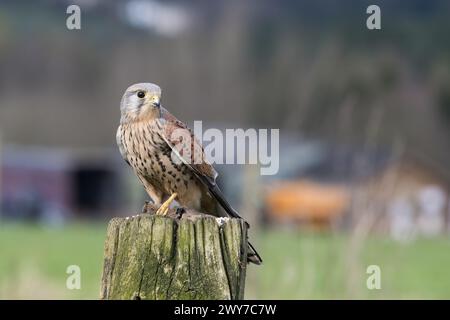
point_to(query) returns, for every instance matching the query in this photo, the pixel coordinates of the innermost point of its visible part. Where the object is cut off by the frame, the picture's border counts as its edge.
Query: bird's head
(141, 100)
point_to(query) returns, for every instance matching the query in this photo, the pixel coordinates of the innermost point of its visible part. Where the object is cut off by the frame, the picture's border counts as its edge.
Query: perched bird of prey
(153, 142)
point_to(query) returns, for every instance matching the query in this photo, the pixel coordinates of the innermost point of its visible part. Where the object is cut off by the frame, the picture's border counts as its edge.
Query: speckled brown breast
(150, 156)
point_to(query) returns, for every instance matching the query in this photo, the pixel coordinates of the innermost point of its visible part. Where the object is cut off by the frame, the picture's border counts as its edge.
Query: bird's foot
(164, 208)
(145, 207)
(162, 211)
(180, 212)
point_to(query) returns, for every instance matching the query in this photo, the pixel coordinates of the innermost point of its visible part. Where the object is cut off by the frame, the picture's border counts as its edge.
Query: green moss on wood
(154, 257)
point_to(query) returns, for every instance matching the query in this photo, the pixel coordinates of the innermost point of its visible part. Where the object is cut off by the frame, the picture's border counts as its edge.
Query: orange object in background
(306, 200)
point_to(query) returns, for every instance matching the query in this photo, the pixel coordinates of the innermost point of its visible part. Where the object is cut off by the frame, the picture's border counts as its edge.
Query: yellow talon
(164, 208)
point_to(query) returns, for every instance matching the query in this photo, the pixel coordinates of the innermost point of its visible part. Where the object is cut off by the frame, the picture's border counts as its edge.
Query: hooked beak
(156, 101)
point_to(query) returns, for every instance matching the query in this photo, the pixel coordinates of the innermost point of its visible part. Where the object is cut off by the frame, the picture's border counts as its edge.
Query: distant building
(55, 184)
(413, 197)
(333, 185)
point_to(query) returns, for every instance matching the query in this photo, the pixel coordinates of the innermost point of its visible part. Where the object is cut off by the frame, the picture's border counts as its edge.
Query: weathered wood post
(155, 257)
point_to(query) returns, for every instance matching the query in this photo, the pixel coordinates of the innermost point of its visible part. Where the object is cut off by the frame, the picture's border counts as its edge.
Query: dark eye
(141, 94)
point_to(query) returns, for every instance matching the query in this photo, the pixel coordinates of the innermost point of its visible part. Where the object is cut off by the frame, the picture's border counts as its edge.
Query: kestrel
(153, 142)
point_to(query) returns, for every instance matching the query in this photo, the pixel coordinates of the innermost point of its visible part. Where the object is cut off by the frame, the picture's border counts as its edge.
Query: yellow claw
(164, 208)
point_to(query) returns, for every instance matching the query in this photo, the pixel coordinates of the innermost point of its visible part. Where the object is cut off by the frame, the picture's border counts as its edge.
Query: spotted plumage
(166, 157)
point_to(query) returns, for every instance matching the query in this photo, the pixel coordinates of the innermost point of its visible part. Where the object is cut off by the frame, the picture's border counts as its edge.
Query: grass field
(298, 265)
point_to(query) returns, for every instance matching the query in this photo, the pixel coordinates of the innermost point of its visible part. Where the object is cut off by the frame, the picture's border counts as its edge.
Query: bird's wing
(120, 144)
(175, 133)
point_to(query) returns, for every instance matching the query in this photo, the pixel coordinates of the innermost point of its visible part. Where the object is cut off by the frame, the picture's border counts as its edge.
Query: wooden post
(155, 257)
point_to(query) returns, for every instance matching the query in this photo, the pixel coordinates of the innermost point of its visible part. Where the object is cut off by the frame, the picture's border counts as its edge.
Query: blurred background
(364, 118)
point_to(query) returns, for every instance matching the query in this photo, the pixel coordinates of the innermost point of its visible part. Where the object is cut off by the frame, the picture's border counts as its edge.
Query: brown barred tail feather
(253, 255)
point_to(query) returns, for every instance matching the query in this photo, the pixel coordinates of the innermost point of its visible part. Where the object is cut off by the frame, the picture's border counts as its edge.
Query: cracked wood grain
(155, 257)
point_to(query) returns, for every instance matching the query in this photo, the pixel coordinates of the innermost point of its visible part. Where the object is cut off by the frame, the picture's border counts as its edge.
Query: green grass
(315, 266)
(297, 265)
(34, 259)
